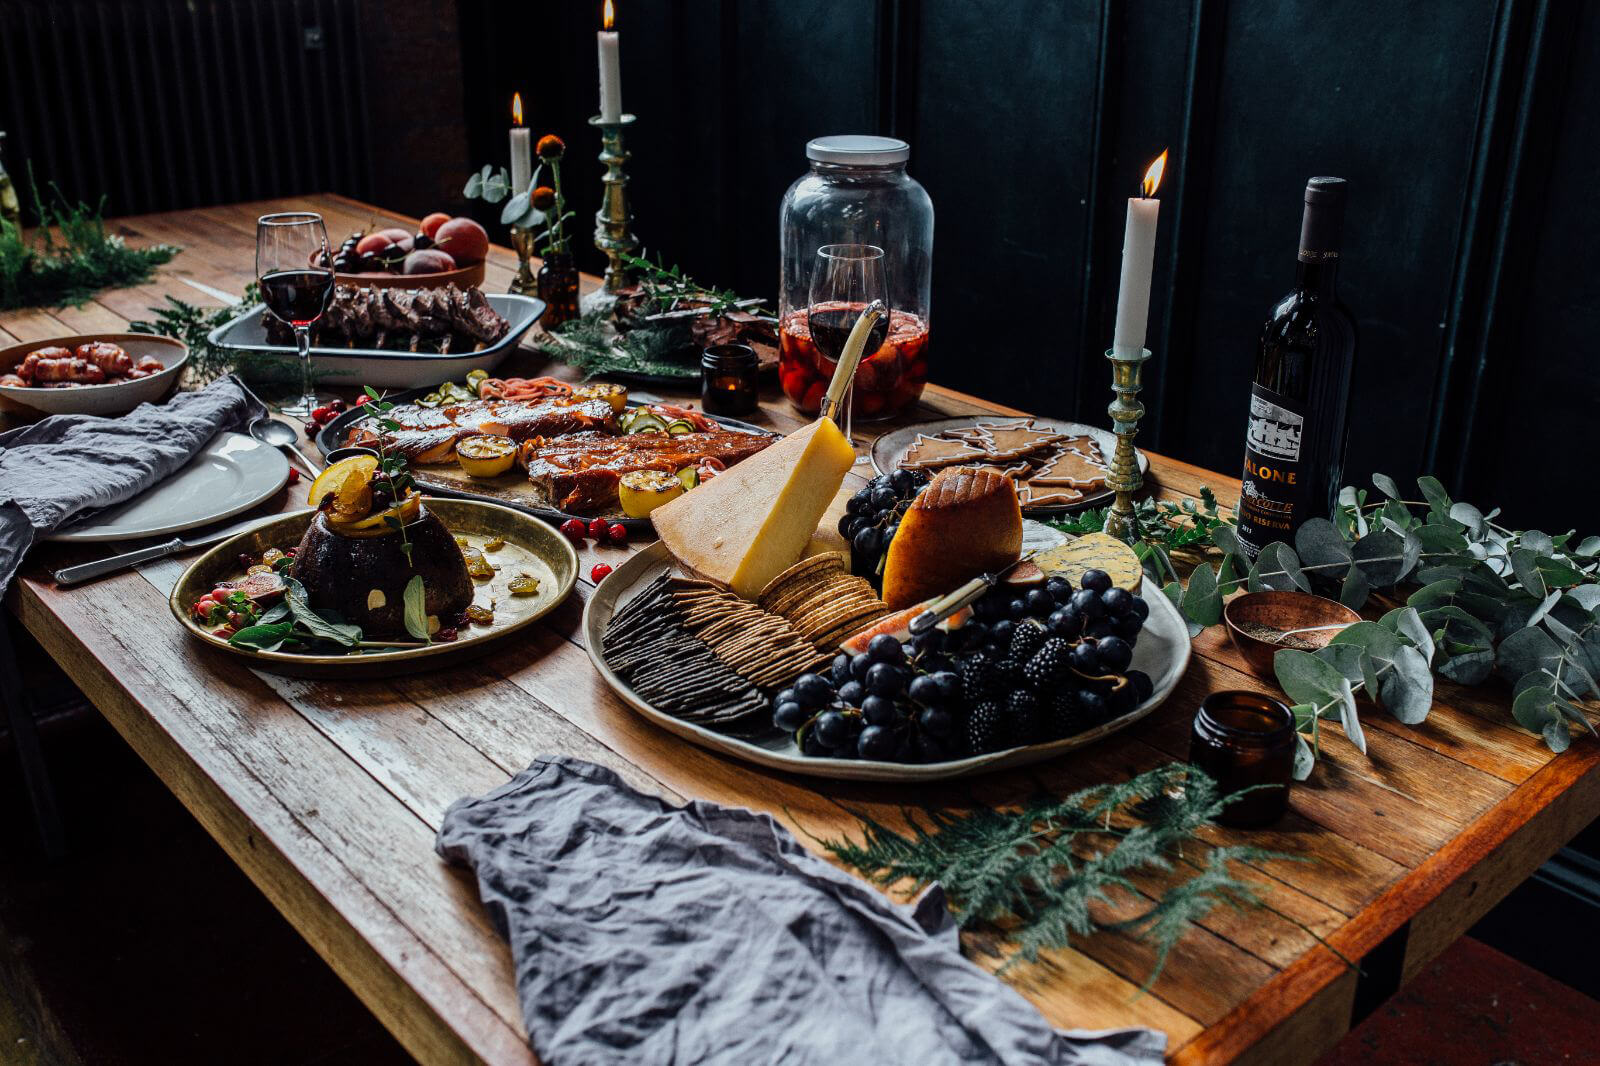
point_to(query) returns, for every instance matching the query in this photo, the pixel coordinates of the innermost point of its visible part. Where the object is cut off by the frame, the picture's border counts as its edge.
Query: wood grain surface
(329, 795)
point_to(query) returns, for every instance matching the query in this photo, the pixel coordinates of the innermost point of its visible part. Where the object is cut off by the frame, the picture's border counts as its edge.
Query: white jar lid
(859, 149)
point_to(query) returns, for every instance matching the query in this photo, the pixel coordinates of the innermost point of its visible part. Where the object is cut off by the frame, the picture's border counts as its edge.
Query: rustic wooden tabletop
(329, 794)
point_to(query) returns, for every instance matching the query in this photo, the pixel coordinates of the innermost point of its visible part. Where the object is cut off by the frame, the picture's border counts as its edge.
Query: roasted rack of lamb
(433, 321)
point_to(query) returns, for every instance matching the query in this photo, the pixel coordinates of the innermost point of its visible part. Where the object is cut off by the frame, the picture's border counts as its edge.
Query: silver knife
(76, 575)
(965, 596)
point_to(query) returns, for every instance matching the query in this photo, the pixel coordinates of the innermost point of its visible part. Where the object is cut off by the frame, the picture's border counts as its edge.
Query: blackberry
(983, 732)
(1025, 640)
(1064, 715)
(980, 678)
(1024, 718)
(1049, 664)
(1010, 671)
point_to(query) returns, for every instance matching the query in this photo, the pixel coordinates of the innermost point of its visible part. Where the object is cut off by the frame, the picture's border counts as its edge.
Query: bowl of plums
(93, 374)
(443, 251)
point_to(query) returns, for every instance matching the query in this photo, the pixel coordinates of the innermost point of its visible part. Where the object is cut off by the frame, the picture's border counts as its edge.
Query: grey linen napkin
(68, 465)
(646, 933)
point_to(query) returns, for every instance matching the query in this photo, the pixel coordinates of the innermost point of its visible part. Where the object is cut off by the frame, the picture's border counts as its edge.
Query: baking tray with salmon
(549, 447)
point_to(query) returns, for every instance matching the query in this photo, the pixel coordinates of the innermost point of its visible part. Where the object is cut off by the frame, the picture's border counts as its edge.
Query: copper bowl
(1281, 611)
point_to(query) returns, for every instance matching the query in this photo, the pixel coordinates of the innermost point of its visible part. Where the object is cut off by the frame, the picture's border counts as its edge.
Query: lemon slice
(333, 478)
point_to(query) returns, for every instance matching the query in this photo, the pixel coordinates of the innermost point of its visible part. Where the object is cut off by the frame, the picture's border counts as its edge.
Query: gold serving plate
(531, 546)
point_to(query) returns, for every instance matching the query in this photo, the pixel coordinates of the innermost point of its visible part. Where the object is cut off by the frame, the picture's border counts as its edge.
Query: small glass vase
(558, 288)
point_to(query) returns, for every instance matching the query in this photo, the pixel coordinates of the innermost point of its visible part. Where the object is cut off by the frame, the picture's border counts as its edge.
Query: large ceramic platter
(889, 449)
(386, 369)
(511, 489)
(229, 476)
(1162, 652)
(112, 398)
(531, 547)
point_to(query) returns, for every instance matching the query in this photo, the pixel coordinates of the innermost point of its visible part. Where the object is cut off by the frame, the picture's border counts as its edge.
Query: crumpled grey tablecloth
(68, 465)
(646, 933)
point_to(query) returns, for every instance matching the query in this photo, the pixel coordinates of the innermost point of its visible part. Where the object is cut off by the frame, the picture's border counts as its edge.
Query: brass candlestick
(613, 223)
(523, 284)
(1124, 478)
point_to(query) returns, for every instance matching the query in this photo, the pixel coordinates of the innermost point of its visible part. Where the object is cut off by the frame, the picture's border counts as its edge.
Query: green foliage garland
(1055, 869)
(1483, 599)
(69, 256)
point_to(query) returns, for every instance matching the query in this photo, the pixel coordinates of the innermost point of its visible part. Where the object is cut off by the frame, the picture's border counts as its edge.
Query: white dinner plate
(229, 476)
(1162, 652)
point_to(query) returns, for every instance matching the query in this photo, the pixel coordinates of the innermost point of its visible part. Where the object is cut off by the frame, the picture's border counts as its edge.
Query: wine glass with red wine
(296, 276)
(846, 278)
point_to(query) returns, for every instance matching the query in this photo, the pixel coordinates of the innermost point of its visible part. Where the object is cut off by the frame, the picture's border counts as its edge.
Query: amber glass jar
(728, 379)
(558, 288)
(1242, 739)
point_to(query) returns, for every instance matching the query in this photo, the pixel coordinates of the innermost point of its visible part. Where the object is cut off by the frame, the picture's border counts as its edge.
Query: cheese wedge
(750, 523)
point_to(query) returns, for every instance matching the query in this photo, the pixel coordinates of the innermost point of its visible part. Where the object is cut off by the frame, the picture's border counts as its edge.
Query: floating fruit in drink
(888, 381)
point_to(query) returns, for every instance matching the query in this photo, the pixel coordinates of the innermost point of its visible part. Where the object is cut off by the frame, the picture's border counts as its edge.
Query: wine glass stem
(308, 397)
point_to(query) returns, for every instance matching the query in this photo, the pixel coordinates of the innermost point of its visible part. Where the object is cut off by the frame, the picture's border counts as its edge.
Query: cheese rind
(750, 523)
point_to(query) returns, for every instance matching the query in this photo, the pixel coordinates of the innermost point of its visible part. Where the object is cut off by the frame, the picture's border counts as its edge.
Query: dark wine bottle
(1300, 400)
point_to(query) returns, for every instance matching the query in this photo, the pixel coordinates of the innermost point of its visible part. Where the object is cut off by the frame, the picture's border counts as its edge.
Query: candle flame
(1152, 177)
(516, 108)
(610, 15)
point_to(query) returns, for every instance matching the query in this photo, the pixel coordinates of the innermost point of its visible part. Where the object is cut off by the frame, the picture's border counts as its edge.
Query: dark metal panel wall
(174, 103)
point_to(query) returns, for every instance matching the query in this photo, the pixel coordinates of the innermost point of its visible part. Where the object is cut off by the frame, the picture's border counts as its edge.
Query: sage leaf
(276, 613)
(415, 601)
(1386, 485)
(1319, 544)
(263, 637)
(314, 624)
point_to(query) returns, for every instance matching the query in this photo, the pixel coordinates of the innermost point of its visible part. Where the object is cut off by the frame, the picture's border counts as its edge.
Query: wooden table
(329, 795)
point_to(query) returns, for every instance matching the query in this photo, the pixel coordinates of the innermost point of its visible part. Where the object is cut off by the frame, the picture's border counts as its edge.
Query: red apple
(428, 261)
(430, 225)
(464, 239)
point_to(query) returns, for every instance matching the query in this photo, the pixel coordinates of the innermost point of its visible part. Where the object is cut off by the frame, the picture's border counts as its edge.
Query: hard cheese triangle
(748, 524)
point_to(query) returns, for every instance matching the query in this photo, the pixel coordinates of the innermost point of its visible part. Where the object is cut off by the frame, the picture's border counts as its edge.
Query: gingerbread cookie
(1072, 468)
(1013, 442)
(927, 453)
(979, 431)
(1031, 495)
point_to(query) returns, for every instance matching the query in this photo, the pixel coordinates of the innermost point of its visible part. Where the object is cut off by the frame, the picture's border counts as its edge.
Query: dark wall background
(1467, 129)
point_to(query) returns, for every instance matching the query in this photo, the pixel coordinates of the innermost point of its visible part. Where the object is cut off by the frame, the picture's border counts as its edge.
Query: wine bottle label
(1273, 488)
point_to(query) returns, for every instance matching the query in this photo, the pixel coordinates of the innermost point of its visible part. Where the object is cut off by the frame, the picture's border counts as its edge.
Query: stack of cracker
(822, 600)
(1049, 469)
(698, 652)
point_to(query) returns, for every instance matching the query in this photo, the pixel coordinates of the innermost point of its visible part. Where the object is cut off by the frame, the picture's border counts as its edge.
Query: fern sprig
(1054, 869)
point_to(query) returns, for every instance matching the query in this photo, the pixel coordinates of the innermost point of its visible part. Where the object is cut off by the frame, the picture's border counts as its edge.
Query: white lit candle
(521, 148)
(1138, 262)
(610, 69)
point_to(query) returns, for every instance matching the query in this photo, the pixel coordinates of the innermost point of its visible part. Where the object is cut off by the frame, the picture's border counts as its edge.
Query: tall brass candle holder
(613, 223)
(524, 283)
(1124, 479)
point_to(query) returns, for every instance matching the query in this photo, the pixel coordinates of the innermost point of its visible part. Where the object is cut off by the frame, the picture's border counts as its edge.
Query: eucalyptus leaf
(1473, 668)
(1386, 485)
(1589, 548)
(1544, 608)
(515, 208)
(1538, 542)
(415, 602)
(1440, 540)
(1558, 572)
(1382, 556)
(1352, 661)
(1532, 708)
(1587, 597)
(1406, 622)
(1406, 688)
(1318, 543)
(1277, 568)
(1308, 679)
(1557, 736)
(1438, 499)
(1227, 538)
(1523, 565)
(1354, 590)
(1304, 761)
(1468, 516)
(1350, 719)
(1202, 602)
(1441, 591)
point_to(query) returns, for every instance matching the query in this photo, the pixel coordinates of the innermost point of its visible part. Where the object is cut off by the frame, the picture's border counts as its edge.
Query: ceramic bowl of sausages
(93, 374)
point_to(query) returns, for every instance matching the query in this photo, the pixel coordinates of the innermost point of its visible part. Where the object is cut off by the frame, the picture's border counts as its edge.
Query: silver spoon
(269, 430)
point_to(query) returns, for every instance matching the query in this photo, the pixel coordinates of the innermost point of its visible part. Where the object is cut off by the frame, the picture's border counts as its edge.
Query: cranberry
(363, 398)
(599, 572)
(294, 476)
(336, 406)
(617, 534)
(597, 530)
(575, 530)
(445, 636)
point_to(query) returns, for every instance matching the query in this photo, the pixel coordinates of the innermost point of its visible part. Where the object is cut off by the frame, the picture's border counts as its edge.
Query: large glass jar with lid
(854, 228)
